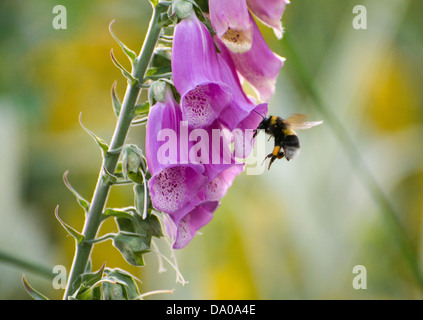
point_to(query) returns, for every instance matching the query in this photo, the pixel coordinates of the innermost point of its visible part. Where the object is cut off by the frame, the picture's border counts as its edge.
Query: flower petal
(173, 180)
(269, 12)
(186, 222)
(217, 188)
(200, 215)
(188, 226)
(197, 73)
(243, 144)
(260, 66)
(241, 105)
(173, 187)
(230, 20)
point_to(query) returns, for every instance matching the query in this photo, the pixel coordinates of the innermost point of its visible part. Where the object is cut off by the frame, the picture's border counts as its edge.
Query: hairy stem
(101, 192)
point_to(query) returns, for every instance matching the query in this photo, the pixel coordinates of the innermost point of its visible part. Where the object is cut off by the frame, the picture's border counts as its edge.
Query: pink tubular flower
(196, 70)
(185, 228)
(257, 64)
(188, 191)
(230, 20)
(192, 149)
(260, 66)
(269, 12)
(174, 181)
(207, 81)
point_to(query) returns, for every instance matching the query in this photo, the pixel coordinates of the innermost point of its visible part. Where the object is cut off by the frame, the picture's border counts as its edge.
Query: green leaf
(89, 279)
(135, 233)
(113, 290)
(203, 5)
(157, 71)
(103, 145)
(128, 52)
(154, 2)
(78, 236)
(90, 287)
(132, 246)
(161, 58)
(81, 201)
(142, 109)
(127, 282)
(115, 100)
(117, 213)
(131, 221)
(32, 292)
(125, 72)
(90, 293)
(119, 171)
(107, 177)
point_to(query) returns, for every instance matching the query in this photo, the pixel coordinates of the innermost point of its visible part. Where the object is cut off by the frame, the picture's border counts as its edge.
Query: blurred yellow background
(295, 232)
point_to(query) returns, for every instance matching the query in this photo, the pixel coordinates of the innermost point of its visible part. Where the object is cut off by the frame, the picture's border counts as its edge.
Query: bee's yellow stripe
(273, 120)
(289, 132)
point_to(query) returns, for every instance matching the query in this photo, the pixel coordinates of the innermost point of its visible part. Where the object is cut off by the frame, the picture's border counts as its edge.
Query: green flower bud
(133, 163)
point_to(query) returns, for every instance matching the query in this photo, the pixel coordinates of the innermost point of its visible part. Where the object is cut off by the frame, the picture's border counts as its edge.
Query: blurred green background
(295, 232)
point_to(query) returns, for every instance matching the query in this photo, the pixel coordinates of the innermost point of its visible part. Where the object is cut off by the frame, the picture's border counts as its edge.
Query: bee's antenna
(259, 114)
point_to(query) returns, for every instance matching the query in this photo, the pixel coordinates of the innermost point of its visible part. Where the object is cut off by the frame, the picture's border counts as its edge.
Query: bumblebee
(287, 143)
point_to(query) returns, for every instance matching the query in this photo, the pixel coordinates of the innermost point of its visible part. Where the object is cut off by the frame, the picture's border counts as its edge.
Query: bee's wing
(297, 122)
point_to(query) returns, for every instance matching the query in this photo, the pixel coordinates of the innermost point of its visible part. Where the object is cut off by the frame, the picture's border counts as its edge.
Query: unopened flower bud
(133, 163)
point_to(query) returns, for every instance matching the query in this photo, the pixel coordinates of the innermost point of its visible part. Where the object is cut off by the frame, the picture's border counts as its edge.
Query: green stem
(101, 192)
(27, 265)
(364, 173)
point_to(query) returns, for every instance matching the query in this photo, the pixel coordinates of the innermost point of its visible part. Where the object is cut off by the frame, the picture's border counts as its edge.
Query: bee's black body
(287, 143)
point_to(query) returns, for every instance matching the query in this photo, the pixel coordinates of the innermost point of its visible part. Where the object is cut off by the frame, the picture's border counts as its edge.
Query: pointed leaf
(32, 292)
(90, 293)
(91, 278)
(107, 177)
(115, 100)
(117, 213)
(152, 226)
(132, 247)
(125, 72)
(128, 52)
(157, 71)
(103, 145)
(81, 201)
(90, 285)
(119, 170)
(78, 236)
(142, 109)
(130, 287)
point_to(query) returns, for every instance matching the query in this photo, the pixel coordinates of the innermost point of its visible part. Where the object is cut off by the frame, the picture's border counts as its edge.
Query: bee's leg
(270, 155)
(254, 135)
(279, 156)
(276, 154)
(271, 161)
